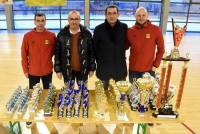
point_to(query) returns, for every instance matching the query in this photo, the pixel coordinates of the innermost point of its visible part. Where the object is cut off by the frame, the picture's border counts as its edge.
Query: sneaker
(28, 124)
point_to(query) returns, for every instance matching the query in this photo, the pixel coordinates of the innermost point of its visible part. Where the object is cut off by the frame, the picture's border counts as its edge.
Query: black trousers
(46, 80)
(76, 75)
(136, 75)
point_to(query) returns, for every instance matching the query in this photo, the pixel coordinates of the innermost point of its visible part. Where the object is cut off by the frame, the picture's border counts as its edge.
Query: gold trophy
(101, 100)
(145, 86)
(123, 87)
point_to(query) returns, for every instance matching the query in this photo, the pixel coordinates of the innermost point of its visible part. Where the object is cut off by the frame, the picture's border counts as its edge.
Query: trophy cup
(145, 86)
(178, 33)
(123, 87)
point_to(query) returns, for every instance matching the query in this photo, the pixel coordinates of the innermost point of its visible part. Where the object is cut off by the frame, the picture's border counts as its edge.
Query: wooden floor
(11, 76)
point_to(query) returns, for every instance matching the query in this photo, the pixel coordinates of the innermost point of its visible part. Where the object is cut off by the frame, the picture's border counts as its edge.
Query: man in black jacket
(109, 43)
(74, 54)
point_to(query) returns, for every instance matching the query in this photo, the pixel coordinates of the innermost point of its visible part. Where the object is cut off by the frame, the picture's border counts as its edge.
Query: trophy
(85, 100)
(145, 85)
(134, 96)
(101, 100)
(35, 97)
(49, 101)
(77, 98)
(62, 100)
(23, 101)
(12, 103)
(123, 87)
(178, 33)
(70, 99)
(164, 108)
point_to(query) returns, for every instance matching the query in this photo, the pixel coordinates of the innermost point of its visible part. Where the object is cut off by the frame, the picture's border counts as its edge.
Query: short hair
(140, 8)
(39, 15)
(74, 11)
(111, 6)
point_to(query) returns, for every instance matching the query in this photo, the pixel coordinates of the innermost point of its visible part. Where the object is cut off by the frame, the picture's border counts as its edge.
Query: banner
(45, 2)
(6, 1)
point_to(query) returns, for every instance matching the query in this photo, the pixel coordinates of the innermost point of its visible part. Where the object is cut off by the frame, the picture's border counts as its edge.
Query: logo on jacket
(46, 42)
(148, 36)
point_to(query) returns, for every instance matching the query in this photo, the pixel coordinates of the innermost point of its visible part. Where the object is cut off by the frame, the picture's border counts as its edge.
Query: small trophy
(23, 101)
(62, 101)
(123, 87)
(70, 100)
(12, 103)
(35, 97)
(49, 101)
(77, 98)
(145, 86)
(85, 100)
(134, 96)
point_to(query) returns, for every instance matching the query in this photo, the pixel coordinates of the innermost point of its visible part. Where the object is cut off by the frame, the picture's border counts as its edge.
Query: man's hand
(91, 73)
(26, 75)
(59, 75)
(153, 68)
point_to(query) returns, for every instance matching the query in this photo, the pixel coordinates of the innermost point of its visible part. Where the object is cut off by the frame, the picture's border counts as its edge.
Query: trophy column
(164, 108)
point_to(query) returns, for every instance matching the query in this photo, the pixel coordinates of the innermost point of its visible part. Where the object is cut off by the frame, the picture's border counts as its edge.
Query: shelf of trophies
(121, 103)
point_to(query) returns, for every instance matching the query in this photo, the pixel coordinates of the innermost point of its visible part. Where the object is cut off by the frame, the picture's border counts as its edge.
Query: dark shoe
(29, 124)
(150, 124)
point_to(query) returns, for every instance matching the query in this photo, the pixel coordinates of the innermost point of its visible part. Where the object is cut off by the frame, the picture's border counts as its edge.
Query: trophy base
(175, 53)
(151, 105)
(47, 113)
(161, 114)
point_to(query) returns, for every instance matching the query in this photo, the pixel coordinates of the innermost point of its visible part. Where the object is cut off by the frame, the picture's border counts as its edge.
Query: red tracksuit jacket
(146, 47)
(37, 52)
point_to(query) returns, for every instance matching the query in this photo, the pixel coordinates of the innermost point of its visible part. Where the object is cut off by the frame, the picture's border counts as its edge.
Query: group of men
(78, 54)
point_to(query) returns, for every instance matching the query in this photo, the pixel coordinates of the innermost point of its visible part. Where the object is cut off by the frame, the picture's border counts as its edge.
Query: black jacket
(63, 56)
(109, 44)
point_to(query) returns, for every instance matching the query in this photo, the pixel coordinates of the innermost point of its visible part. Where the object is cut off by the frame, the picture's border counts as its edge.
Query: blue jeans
(136, 75)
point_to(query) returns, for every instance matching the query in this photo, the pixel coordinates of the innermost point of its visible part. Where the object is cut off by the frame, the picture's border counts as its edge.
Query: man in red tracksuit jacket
(146, 46)
(37, 51)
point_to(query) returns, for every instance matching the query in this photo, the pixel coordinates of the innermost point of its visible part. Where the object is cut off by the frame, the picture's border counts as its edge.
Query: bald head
(141, 15)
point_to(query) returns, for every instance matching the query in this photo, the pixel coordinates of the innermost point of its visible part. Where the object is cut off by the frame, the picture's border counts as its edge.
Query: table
(132, 116)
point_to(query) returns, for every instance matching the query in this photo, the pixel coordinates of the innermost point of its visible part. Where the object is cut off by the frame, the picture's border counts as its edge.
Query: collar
(79, 30)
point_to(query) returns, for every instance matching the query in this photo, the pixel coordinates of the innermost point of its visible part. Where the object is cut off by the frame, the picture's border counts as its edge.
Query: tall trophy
(114, 94)
(164, 108)
(85, 100)
(101, 100)
(70, 99)
(77, 98)
(145, 85)
(123, 87)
